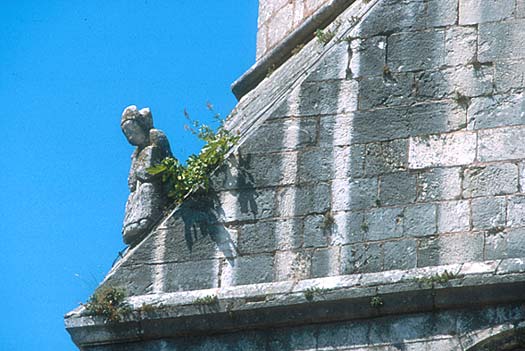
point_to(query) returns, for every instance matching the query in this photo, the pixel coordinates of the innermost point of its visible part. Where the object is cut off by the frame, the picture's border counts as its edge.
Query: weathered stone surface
(325, 262)
(451, 248)
(315, 165)
(453, 216)
(480, 11)
(500, 144)
(386, 90)
(354, 194)
(386, 157)
(348, 227)
(383, 223)
(520, 9)
(505, 244)
(439, 184)
(360, 258)
(515, 211)
(397, 188)
(488, 212)
(496, 111)
(501, 41)
(189, 275)
(509, 75)
(410, 51)
(442, 150)
(250, 269)
(400, 254)
(490, 180)
(268, 236)
(326, 98)
(466, 81)
(368, 57)
(304, 199)
(333, 66)
(420, 220)
(246, 204)
(402, 122)
(460, 45)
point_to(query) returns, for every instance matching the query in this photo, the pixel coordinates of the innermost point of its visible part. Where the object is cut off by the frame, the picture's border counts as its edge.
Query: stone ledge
(280, 53)
(311, 301)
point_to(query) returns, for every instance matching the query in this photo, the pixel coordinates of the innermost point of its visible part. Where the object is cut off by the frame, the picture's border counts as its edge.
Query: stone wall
(277, 18)
(393, 147)
(399, 149)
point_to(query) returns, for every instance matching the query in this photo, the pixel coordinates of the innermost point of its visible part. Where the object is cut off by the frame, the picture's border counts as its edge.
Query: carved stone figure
(148, 197)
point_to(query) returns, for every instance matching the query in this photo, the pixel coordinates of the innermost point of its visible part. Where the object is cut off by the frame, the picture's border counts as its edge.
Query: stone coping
(288, 303)
(279, 54)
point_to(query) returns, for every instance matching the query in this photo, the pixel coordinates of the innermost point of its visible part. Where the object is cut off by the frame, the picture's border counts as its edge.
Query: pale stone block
(479, 11)
(501, 41)
(439, 184)
(496, 111)
(509, 75)
(488, 212)
(453, 216)
(451, 149)
(501, 144)
(460, 45)
(420, 220)
(497, 179)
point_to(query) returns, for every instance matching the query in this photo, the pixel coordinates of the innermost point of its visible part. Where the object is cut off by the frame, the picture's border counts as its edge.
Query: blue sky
(68, 69)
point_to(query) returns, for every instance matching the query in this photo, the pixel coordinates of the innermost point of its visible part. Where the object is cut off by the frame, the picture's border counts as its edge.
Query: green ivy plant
(180, 178)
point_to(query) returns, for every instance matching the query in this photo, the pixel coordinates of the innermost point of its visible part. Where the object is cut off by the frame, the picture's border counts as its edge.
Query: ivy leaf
(156, 169)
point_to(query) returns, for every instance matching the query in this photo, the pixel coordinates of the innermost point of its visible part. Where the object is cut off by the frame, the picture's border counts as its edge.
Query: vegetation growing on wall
(108, 301)
(194, 175)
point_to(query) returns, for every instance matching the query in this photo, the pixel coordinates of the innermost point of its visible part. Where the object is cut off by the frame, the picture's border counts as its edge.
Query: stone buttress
(375, 200)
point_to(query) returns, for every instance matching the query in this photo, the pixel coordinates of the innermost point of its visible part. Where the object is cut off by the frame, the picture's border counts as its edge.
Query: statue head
(136, 125)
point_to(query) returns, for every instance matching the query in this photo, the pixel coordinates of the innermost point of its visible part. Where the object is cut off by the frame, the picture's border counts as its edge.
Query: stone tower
(375, 200)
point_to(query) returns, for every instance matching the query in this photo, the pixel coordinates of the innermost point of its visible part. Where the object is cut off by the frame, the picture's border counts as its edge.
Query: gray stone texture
(509, 75)
(439, 184)
(489, 212)
(460, 45)
(496, 111)
(480, 11)
(451, 248)
(490, 180)
(501, 41)
(500, 144)
(397, 188)
(454, 216)
(411, 51)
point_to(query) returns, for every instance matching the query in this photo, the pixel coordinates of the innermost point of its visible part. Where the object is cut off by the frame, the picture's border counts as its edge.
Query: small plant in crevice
(376, 302)
(108, 301)
(364, 227)
(439, 278)
(328, 220)
(180, 179)
(146, 308)
(461, 100)
(495, 230)
(206, 300)
(310, 293)
(324, 36)
(270, 70)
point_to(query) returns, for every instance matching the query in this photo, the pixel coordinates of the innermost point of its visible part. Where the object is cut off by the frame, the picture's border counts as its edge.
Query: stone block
(420, 220)
(383, 91)
(334, 64)
(464, 80)
(327, 97)
(521, 169)
(279, 24)
(261, 47)
(397, 188)
(368, 57)
(386, 157)
(194, 275)
(407, 16)
(516, 211)
(489, 212)
(325, 262)
(439, 184)
(500, 144)
(520, 9)
(303, 199)
(250, 269)
(496, 111)
(340, 335)
(383, 223)
(480, 11)
(460, 45)
(509, 75)
(316, 165)
(505, 244)
(501, 41)
(246, 204)
(348, 194)
(348, 228)
(412, 51)
(361, 258)
(497, 179)
(453, 216)
(402, 122)
(282, 135)
(449, 249)
(268, 236)
(450, 149)
(292, 265)
(318, 230)
(348, 161)
(400, 254)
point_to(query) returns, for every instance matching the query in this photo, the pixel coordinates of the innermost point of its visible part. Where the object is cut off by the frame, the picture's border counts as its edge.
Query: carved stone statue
(148, 197)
